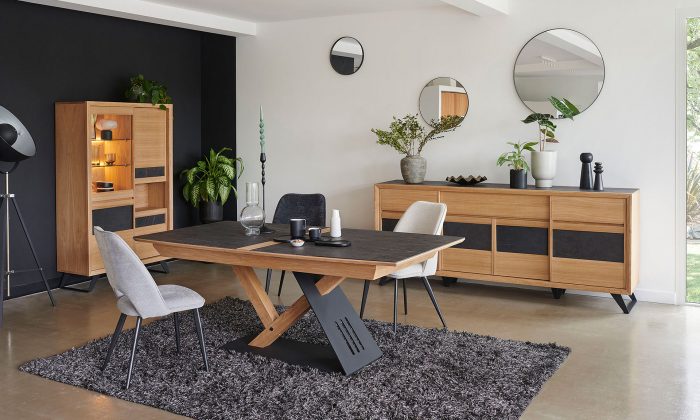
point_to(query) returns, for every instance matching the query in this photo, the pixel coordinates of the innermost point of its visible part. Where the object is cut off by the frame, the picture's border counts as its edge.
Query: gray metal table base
(351, 345)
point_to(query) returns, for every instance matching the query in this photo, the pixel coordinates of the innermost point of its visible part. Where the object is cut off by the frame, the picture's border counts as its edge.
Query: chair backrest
(311, 207)
(427, 218)
(422, 217)
(128, 276)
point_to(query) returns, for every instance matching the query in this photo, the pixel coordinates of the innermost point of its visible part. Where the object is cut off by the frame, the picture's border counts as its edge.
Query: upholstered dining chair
(421, 217)
(311, 207)
(139, 296)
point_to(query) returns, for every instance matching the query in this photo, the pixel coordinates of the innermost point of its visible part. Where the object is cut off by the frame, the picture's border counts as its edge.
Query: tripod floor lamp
(16, 145)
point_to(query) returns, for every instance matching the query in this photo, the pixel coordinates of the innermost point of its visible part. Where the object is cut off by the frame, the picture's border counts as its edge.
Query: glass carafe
(252, 216)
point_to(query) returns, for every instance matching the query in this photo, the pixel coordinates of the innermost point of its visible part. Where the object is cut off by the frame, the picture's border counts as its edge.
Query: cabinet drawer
(497, 205)
(400, 199)
(589, 210)
(466, 261)
(521, 265)
(590, 273)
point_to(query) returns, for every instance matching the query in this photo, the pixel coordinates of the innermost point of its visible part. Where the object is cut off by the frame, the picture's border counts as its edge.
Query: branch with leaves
(212, 179)
(407, 136)
(515, 159)
(545, 127)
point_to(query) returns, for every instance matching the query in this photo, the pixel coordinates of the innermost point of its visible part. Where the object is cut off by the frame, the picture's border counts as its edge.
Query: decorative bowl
(470, 180)
(297, 242)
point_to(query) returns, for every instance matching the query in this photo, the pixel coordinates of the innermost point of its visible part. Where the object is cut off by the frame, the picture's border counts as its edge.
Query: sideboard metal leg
(626, 307)
(93, 281)
(558, 293)
(447, 281)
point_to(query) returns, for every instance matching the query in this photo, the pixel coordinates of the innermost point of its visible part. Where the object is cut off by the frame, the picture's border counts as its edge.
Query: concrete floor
(643, 366)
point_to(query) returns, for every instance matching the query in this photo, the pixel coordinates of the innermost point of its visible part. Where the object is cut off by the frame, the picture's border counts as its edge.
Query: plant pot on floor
(413, 169)
(211, 211)
(544, 167)
(518, 178)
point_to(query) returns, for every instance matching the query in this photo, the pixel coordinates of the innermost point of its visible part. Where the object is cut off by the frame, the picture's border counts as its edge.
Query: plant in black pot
(210, 182)
(517, 163)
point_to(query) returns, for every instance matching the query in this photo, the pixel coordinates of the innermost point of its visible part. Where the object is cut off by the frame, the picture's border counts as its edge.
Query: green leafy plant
(143, 90)
(212, 178)
(545, 127)
(515, 159)
(409, 137)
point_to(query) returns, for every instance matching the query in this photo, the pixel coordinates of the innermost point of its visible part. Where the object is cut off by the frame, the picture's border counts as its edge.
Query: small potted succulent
(408, 137)
(210, 182)
(517, 163)
(544, 162)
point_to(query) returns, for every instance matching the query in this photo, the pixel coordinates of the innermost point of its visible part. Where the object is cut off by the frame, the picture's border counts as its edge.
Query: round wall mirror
(442, 97)
(560, 63)
(347, 55)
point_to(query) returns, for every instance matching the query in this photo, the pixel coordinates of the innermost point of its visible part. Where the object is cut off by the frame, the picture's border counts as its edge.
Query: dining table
(319, 270)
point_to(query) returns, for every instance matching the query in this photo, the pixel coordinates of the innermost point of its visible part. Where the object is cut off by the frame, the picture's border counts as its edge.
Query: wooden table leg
(261, 301)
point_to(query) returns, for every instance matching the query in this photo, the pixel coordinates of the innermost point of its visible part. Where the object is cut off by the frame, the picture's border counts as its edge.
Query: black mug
(297, 227)
(314, 233)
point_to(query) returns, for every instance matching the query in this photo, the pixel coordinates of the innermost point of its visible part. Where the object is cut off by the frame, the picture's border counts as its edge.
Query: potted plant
(544, 162)
(517, 163)
(409, 137)
(210, 182)
(143, 90)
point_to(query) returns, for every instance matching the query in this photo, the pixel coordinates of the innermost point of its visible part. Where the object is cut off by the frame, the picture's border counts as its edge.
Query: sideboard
(560, 238)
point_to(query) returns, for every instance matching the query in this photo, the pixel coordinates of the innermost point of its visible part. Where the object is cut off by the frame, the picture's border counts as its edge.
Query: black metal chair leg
(200, 335)
(365, 292)
(426, 283)
(176, 321)
(405, 298)
(133, 351)
(396, 298)
(115, 339)
(279, 291)
(267, 280)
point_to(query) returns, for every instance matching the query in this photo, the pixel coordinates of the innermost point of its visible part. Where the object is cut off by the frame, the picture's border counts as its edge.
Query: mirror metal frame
(442, 77)
(330, 54)
(515, 63)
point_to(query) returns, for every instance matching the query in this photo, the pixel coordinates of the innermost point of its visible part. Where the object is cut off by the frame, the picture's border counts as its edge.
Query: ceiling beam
(481, 7)
(158, 13)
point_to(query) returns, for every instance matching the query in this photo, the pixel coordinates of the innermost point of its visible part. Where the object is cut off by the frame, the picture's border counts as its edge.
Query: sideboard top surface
(505, 187)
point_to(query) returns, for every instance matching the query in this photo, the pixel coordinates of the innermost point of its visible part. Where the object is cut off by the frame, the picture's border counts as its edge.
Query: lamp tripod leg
(31, 246)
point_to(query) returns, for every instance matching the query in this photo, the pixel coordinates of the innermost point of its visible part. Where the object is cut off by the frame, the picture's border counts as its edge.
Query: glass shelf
(110, 140)
(104, 165)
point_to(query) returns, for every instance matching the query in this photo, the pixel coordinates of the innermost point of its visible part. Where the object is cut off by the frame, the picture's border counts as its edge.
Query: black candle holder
(263, 159)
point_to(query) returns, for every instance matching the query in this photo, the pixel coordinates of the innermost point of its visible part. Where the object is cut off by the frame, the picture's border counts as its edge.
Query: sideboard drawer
(466, 260)
(497, 205)
(528, 266)
(589, 273)
(589, 210)
(400, 199)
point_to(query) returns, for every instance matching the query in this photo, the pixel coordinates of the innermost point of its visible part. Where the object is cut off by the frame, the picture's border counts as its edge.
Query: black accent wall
(51, 54)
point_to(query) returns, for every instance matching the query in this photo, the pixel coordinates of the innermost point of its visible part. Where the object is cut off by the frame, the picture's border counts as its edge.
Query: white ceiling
(279, 10)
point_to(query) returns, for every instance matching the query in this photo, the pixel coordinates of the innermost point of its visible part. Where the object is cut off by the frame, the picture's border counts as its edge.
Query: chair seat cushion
(415, 270)
(177, 298)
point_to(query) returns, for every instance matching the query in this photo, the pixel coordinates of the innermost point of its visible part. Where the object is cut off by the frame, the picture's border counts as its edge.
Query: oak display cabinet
(137, 161)
(560, 238)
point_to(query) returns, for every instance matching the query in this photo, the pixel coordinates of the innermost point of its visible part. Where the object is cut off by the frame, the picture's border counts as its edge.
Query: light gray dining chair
(138, 295)
(420, 217)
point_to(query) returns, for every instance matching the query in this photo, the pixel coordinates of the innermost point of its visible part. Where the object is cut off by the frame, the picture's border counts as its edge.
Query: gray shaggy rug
(424, 373)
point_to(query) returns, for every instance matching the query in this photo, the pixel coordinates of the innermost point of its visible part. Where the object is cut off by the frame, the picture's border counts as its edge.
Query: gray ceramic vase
(413, 169)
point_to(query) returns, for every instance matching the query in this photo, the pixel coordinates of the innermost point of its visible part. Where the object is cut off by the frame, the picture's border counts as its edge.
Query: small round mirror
(443, 97)
(347, 55)
(560, 63)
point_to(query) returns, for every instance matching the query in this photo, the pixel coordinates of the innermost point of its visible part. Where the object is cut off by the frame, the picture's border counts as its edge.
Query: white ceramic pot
(544, 167)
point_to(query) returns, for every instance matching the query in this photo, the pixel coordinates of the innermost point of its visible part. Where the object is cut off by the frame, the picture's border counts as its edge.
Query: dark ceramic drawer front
(156, 219)
(149, 172)
(476, 236)
(597, 246)
(389, 224)
(522, 240)
(114, 219)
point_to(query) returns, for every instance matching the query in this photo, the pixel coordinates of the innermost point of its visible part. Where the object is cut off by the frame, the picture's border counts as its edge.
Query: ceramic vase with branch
(544, 162)
(407, 136)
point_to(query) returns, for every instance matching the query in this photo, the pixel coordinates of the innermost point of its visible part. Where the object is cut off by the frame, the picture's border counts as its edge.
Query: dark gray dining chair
(138, 295)
(311, 207)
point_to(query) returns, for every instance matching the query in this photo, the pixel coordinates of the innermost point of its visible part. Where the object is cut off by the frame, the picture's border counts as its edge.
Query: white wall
(318, 122)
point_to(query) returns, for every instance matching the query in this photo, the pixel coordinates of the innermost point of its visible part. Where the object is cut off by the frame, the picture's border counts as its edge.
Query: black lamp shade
(16, 144)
